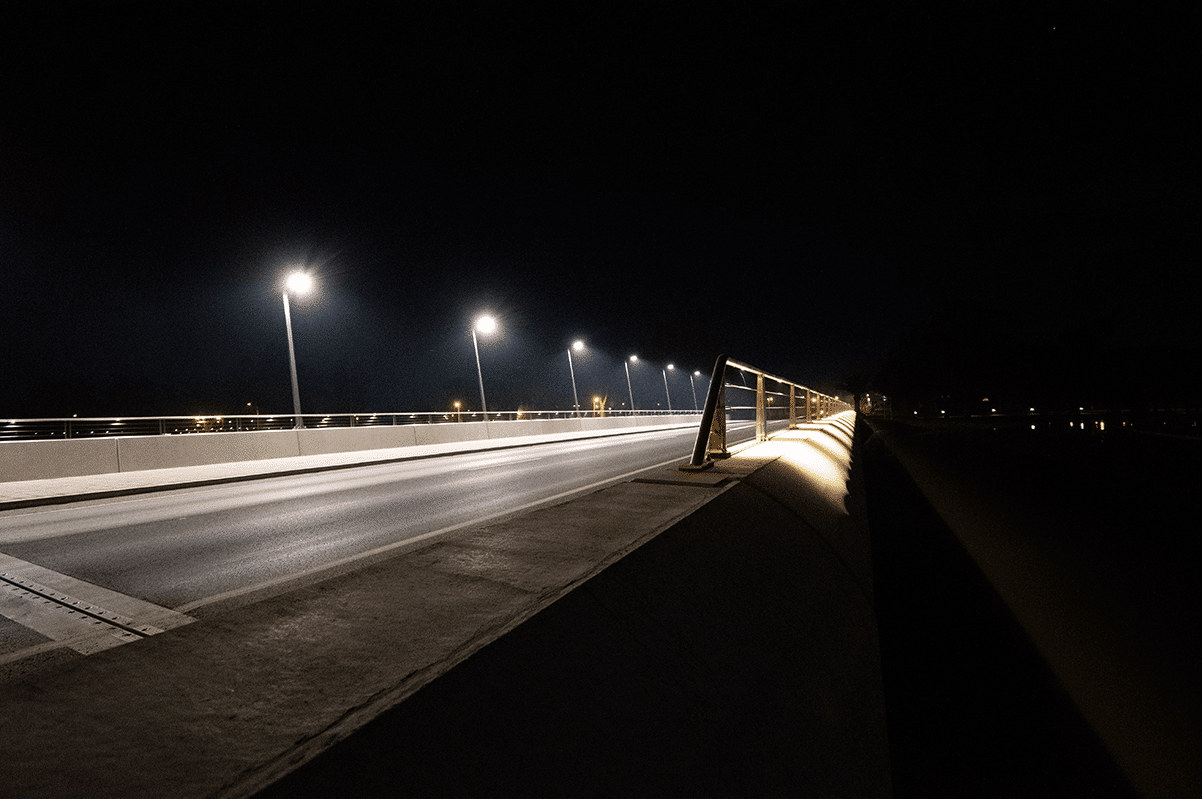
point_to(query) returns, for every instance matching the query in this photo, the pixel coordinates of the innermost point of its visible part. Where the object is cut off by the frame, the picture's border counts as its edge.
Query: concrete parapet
(43, 460)
(37, 460)
(449, 432)
(325, 441)
(165, 452)
(532, 427)
(609, 422)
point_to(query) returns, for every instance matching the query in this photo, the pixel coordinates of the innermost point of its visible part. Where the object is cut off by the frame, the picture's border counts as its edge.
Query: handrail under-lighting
(99, 426)
(711, 434)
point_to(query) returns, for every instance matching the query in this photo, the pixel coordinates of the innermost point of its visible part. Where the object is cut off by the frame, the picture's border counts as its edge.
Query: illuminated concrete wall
(325, 441)
(136, 453)
(40, 460)
(37, 460)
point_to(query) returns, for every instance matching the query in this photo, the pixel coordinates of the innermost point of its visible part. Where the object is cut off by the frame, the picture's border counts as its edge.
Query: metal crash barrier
(711, 434)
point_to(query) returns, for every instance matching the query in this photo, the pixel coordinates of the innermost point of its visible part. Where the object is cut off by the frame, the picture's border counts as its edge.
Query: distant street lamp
(458, 411)
(486, 325)
(633, 359)
(696, 407)
(666, 392)
(299, 283)
(578, 346)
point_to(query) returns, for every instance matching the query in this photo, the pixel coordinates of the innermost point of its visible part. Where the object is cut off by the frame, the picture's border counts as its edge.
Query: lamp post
(666, 392)
(695, 374)
(299, 283)
(485, 324)
(633, 359)
(578, 346)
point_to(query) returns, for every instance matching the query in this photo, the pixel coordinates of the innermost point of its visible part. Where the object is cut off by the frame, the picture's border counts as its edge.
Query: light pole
(458, 411)
(300, 283)
(695, 374)
(578, 346)
(485, 324)
(633, 359)
(666, 392)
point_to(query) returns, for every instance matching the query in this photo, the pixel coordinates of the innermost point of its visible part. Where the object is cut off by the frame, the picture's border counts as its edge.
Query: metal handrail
(711, 434)
(99, 426)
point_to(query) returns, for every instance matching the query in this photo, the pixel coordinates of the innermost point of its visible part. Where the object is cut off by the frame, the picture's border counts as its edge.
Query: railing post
(761, 410)
(792, 406)
(711, 434)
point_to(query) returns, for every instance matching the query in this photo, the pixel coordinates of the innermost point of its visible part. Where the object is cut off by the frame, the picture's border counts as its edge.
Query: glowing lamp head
(634, 359)
(299, 283)
(578, 345)
(671, 367)
(486, 324)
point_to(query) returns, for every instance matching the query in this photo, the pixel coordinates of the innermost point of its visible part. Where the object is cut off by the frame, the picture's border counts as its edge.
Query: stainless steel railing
(78, 427)
(711, 433)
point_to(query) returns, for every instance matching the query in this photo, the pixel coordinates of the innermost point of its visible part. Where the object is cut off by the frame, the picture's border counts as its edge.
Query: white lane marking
(191, 606)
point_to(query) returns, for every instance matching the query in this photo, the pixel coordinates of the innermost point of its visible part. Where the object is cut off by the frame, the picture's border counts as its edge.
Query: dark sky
(795, 187)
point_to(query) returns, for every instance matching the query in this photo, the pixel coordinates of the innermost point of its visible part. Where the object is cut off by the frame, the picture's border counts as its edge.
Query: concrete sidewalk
(752, 612)
(59, 490)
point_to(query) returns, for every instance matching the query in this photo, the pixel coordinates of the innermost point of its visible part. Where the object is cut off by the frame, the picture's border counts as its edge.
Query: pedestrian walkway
(59, 490)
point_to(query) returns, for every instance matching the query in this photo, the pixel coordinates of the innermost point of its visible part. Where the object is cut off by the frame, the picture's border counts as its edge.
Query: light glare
(299, 282)
(486, 324)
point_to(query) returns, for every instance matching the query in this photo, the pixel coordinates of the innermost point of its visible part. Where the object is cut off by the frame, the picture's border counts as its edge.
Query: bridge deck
(743, 589)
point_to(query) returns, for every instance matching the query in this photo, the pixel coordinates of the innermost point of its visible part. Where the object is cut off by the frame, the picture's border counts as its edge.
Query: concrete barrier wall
(35, 460)
(532, 427)
(319, 441)
(164, 452)
(42, 460)
(449, 432)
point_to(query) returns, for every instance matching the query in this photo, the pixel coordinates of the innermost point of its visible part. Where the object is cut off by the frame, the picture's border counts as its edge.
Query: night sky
(794, 187)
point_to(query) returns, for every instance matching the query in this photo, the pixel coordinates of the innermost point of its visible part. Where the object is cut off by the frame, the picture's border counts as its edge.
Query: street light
(666, 392)
(299, 283)
(485, 324)
(695, 374)
(578, 346)
(633, 359)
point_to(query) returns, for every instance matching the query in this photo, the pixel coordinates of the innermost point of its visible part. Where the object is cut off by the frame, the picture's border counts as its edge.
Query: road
(187, 549)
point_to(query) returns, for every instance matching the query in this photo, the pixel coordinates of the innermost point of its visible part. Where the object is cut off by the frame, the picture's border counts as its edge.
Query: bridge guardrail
(711, 433)
(99, 426)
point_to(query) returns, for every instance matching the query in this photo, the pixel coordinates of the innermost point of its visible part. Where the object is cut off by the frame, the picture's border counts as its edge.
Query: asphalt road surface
(186, 549)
